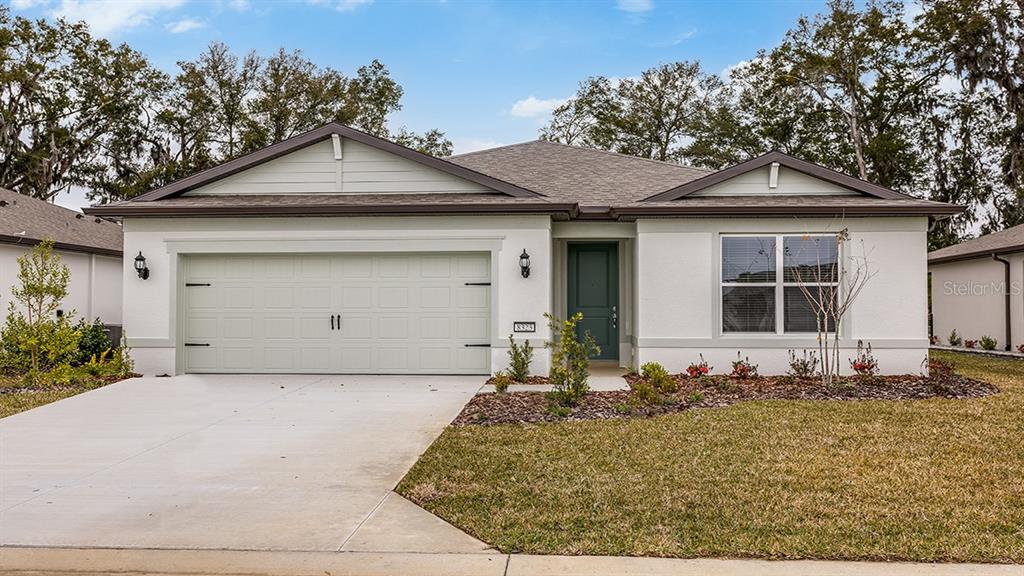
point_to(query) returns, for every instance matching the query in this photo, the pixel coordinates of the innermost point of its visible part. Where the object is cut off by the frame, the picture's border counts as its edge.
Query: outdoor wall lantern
(524, 264)
(140, 266)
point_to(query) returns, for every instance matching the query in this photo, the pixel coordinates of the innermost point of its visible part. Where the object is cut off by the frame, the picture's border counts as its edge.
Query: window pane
(800, 311)
(748, 309)
(748, 259)
(810, 259)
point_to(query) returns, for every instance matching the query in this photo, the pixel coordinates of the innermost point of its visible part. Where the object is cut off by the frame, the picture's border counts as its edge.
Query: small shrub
(742, 368)
(570, 360)
(698, 369)
(92, 341)
(939, 368)
(954, 339)
(501, 382)
(656, 374)
(623, 408)
(519, 357)
(864, 364)
(934, 340)
(971, 343)
(804, 366)
(556, 409)
(644, 393)
(1020, 348)
(988, 343)
(695, 397)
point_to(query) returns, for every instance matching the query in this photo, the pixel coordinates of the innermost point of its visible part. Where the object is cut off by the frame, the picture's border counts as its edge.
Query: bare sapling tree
(831, 283)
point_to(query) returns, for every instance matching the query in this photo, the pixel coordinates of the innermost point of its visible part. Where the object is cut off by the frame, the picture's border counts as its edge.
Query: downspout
(1006, 289)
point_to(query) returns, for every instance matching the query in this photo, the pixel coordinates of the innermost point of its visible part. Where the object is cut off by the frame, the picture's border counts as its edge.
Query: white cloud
(634, 5)
(726, 73)
(534, 107)
(239, 5)
(184, 25)
(467, 145)
(107, 17)
(26, 4)
(677, 39)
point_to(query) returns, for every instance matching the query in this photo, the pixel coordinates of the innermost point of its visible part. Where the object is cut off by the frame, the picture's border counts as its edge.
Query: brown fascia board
(837, 178)
(633, 212)
(279, 149)
(157, 210)
(975, 255)
(21, 240)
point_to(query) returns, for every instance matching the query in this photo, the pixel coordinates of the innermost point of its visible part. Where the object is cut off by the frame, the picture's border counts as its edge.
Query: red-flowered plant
(698, 369)
(743, 369)
(971, 343)
(864, 363)
(1020, 348)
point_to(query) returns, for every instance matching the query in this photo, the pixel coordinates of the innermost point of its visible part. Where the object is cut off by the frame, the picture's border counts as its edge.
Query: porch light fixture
(140, 266)
(524, 264)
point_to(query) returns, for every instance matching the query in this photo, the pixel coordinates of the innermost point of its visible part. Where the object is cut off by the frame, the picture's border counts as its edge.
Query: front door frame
(611, 350)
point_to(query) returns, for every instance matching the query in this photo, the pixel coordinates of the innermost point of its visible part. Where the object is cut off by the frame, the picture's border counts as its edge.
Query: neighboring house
(336, 251)
(89, 246)
(978, 289)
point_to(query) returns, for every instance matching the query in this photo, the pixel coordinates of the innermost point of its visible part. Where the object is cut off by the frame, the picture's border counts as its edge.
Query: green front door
(594, 292)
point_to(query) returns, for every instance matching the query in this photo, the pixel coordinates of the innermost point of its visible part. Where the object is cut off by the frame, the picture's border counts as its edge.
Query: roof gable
(324, 136)
(741, 174)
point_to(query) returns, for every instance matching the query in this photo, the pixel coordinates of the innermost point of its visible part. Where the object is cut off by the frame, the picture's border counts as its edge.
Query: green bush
(93, 341)
(501, 382)
(955, 339)
(695, 397)
(644, 393)
(39, 348)
(988, 343)
(570, 360)
(659, 377)
(519, 356)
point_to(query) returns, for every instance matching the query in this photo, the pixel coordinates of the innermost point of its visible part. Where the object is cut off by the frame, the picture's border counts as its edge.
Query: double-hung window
(760, 296)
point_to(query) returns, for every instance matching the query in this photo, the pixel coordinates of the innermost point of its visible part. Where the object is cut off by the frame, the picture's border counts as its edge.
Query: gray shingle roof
(584, 175)
(28, 220)
(1002, 242)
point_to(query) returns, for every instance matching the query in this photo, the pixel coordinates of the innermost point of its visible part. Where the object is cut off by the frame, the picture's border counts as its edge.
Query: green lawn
(14, 399)
(927, 480)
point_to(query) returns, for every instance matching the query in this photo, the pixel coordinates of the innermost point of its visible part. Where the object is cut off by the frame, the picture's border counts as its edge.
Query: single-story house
(90, 247)
(339, 252)
(978, 289)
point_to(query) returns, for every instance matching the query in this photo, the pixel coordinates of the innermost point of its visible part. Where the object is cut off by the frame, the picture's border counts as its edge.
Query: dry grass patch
(16, 397)
(926, 480)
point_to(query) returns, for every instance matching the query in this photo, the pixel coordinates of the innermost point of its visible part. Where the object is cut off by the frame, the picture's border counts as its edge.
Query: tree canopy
(78, 111)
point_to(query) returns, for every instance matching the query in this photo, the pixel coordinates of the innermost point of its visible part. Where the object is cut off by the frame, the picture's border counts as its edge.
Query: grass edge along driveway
(923, 480)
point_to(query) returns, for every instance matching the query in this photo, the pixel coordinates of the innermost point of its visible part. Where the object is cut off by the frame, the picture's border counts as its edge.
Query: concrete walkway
(230, 462)
(43, 561)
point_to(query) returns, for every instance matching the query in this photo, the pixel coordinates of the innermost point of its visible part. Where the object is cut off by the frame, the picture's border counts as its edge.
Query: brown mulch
(717, 391)
(530, 380)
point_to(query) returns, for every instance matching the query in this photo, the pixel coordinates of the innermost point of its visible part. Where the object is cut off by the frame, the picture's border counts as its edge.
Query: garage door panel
(400, 313)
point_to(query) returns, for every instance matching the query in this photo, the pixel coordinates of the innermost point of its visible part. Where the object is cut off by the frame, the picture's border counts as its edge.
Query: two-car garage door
(337, 313)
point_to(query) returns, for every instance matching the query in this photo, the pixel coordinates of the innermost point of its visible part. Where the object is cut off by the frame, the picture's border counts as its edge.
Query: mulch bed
(716, 391)
(530, 380)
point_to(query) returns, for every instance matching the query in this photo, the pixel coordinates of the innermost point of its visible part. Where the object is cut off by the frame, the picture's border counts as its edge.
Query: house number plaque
(519, 327)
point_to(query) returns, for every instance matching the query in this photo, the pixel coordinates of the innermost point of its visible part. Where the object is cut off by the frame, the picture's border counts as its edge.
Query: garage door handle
(339, 321)
(477, 345)
(195, 344)
(332, 321)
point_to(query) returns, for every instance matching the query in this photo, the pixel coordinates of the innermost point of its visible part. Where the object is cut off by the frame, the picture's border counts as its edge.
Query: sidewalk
(80, 562)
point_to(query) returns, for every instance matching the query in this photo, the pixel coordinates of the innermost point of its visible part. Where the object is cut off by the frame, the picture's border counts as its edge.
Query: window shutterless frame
(779, 283)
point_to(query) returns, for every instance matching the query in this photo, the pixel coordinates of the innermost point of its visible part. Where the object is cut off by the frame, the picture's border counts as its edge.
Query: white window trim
(779, 285)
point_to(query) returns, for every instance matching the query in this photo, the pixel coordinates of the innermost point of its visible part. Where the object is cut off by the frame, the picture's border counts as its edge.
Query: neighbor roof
(27, 220)
(532, 177)
(1002, 242)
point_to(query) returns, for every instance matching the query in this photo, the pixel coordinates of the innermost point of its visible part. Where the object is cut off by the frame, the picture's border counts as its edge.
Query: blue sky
(486, 73)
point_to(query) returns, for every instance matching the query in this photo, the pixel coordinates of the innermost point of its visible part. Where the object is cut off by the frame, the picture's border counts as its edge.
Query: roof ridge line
(629, 156)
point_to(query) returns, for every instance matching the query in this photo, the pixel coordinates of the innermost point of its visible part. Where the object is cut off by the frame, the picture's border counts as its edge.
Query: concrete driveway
(229, 462)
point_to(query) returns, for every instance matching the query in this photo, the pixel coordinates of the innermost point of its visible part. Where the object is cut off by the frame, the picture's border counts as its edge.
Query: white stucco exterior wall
(94, 290)
(678, 293)
(150, 306)
(968, 296)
